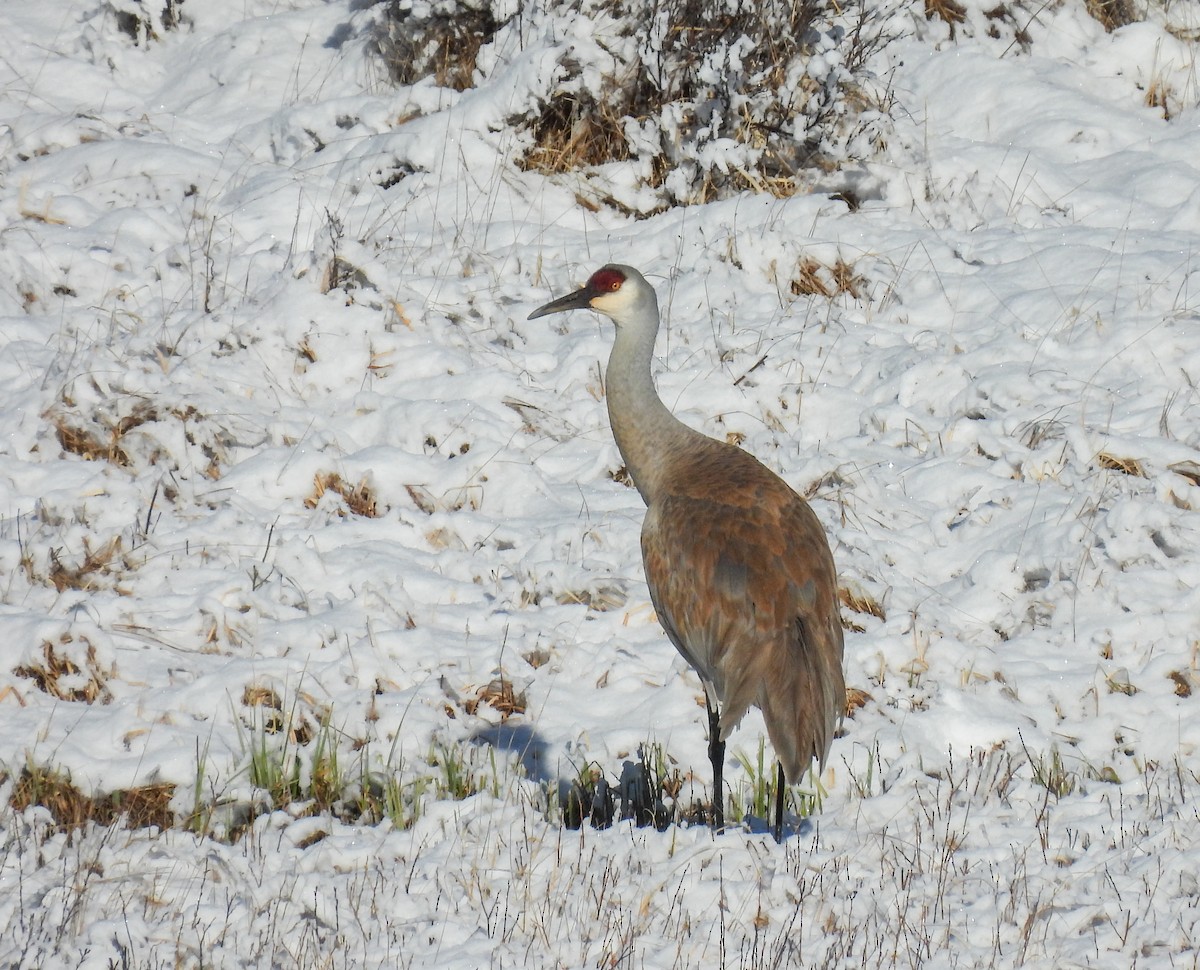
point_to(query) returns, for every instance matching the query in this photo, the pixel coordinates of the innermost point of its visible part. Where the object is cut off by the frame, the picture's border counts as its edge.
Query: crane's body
(738, 565)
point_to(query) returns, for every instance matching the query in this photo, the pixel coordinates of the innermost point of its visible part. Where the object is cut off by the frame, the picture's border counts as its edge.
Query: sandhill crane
(738, 566)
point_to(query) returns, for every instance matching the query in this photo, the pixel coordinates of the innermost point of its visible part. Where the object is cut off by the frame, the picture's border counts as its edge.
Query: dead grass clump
(575, 130)
(600, 597)
(102, 442)
(622, 477)
(500, 695)
(442, 45)
(860, 601)
(63, 677)
(272, 719)
(1127, 466)
(1012, 19)
(808, 281)
(150, 21)
(950, 11)
(96, 563)
(846, 279)
(143, 807)
(1112, 14)
(856, 698)
(815, 279)
(258, 695)
(85, 442)
(1159, 95)
(359, 499)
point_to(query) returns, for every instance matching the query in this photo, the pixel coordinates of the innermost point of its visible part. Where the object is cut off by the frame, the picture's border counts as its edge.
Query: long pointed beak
(579, 300)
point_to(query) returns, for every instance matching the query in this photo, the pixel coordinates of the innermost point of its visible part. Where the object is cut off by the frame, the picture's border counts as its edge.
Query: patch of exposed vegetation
(357, 499)
(145, 806)
(416, 41)
(69, 671)
(697, 99)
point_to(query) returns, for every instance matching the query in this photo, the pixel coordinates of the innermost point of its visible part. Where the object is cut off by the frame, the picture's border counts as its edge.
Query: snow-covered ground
(250, 290)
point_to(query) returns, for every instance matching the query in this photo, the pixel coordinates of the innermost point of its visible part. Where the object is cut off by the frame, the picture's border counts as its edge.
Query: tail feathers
(803, 702)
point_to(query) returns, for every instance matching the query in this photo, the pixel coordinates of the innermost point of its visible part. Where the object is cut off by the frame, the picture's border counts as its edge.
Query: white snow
(1000, 432)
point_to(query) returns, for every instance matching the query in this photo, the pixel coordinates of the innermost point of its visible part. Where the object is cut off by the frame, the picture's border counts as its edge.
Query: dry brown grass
(96, 563)
(1127, 466)
(600, 597)
(859, 601)
(846, 279)
(305, 351)
(500, 695)
(271, 717)
(1182, 681)
(1012, 17)
(142, 28)
(143, 807)
(358, 499)
(259, 695)
(950, 11)
(1112, 13)
(443, 46)
(101, 441)
(99, 436)
(855, 699)
(808, 281)
(575, 131)
(1159, 95)
(622, 477)
(422, 498)
(813, 278)
(60, 676)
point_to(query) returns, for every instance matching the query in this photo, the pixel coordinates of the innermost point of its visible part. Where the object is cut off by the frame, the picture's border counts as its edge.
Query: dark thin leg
(716, 754)
(779, 793)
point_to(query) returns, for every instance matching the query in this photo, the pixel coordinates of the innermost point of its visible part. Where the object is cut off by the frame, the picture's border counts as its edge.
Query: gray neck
(647, 433)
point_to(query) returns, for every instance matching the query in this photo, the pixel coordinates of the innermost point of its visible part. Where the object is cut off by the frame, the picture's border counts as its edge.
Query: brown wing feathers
(755, 610)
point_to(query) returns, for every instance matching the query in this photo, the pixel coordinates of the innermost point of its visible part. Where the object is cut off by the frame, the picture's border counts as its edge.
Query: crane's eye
(607, 280)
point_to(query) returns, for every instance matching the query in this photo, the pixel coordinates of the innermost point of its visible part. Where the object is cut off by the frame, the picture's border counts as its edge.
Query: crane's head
(619, 292)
